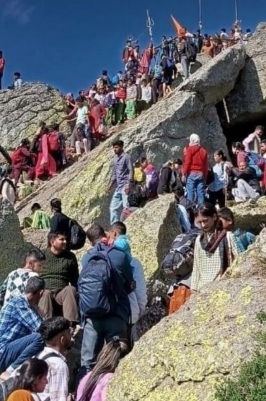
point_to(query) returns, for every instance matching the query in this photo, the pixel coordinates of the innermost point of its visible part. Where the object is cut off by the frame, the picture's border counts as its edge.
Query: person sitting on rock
(207, 48)
(23, 161)
(16, 281)
(19, 323)
(57, 337)
(39, 220)
(17, 81)
(134, 201)
(244, 238)
(94, 385)
(59, 221)
(247, 183)
(184, 210)
(214, 251)
(8, 187)
(61, 278)
(238, 149)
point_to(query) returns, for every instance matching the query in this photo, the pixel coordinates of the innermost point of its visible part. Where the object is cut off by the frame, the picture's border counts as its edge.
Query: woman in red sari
(46, 165)
(96, 118)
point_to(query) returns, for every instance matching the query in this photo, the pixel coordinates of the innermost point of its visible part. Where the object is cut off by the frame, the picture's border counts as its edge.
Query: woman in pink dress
(46, 165)
(94, 385)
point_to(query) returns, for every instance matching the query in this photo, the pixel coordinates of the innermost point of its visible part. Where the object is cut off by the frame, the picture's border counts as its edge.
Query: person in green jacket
(39, 219)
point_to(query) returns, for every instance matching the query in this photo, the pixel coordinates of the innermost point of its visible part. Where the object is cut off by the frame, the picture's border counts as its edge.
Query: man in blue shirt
(122, 177)
(19, 322)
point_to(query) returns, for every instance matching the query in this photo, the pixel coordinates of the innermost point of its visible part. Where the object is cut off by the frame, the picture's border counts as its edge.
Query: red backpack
(16, 156)
(53, 141)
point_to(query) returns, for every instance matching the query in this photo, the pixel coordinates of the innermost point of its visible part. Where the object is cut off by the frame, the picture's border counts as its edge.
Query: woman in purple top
(93, 386)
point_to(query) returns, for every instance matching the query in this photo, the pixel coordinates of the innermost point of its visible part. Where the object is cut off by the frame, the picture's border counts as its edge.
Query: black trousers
(217, 197)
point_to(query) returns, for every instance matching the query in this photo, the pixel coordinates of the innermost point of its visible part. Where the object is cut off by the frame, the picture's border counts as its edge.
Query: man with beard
(61, 275)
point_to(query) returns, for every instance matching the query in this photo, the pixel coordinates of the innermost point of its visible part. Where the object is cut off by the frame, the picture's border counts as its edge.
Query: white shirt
(18, 83)
(58, 376)
(82, 115)
(8, 192)
(146, 93)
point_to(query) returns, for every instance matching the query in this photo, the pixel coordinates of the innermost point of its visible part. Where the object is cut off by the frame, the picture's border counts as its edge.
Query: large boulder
(12, 245)
(22, 110)
(151, 231)
(247, 99)
(217, 77)
(189, 352)
(250, 216)
(161, 133)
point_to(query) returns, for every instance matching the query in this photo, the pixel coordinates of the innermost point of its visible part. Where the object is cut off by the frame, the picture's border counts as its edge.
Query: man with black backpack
(187, 55)
(105, 281)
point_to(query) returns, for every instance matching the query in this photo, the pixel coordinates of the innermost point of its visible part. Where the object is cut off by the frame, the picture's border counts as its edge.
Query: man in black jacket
(247, 183)
(60, 223)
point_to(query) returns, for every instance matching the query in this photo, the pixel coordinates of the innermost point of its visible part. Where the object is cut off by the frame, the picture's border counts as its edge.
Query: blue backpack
(170, 64)
(97, 297)
(253, 160)
(115, 80)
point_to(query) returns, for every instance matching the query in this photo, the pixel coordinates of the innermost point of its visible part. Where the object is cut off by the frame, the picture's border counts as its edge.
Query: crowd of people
(146, 77)
(47, 300)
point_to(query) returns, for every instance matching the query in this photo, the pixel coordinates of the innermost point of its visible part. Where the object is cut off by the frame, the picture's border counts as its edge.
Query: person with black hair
(57, 336)
(61, 279)
(101, 326)
(122, 177)
(60, 223)
(23, 160)
(217, 188)
(215, 248)
(17, 81)
(244, 238)
(8, 187)
(16, 281)
(19, 323)
(93, 386)
(30, 380)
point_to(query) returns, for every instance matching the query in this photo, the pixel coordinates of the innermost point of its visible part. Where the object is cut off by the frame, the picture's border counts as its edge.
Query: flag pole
(200, 15)
(236, 10)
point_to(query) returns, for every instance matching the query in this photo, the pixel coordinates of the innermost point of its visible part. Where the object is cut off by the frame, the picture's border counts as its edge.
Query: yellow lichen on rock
(189, 352)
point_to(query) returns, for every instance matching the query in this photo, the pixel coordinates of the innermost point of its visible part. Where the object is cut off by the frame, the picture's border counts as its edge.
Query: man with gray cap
(195, 170)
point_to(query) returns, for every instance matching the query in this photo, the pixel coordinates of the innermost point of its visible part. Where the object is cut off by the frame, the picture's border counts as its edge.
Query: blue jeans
(96, 332)
(118, 202)
(18, 351)
(195, 186)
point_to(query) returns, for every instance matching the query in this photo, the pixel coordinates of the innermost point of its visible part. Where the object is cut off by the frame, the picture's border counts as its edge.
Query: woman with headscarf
(195, 170)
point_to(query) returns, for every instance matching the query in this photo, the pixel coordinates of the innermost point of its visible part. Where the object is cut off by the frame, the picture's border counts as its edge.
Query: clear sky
(67, 43)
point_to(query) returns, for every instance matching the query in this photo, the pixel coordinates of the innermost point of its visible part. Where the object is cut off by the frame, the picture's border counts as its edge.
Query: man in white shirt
(252, 142)
(146, 95)
(57, 336)
(80, 115)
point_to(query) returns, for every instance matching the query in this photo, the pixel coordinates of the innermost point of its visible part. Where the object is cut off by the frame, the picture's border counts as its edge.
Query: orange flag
(179, 29)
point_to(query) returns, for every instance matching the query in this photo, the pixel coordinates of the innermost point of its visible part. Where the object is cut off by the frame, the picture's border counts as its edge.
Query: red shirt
(2, 64)
(196, 161)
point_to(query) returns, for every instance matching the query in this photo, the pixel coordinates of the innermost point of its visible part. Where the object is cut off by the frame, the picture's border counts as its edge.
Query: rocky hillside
(21, 111)
(189, 352)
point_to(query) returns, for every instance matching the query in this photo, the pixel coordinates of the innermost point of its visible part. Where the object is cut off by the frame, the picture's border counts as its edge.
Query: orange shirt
(20, 395)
